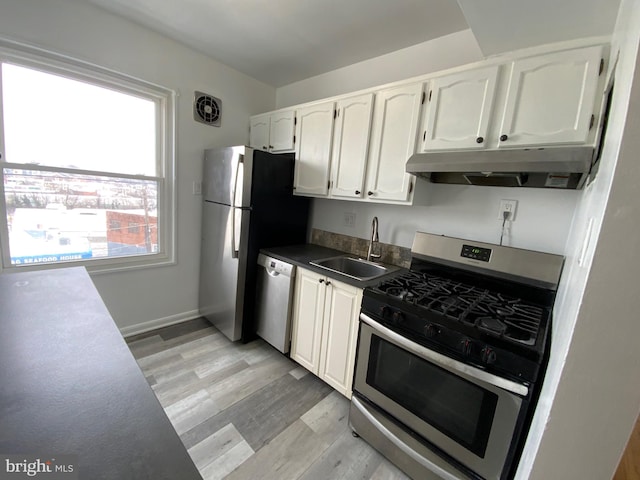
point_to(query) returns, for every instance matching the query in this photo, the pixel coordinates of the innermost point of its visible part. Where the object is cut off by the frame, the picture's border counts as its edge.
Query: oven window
(458, 408)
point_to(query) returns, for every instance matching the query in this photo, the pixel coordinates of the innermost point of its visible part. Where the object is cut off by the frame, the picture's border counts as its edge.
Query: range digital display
(476, 253)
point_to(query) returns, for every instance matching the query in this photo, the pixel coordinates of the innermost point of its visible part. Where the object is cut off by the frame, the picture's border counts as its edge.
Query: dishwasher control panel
(275, 265)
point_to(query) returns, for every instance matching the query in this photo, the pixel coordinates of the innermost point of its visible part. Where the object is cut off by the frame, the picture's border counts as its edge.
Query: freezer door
(224, 176)
(223, 267)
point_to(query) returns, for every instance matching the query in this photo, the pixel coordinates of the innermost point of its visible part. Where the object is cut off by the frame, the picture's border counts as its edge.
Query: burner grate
(490, 312)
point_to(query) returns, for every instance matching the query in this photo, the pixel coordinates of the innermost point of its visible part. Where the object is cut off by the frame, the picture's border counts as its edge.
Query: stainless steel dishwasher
(273, 301)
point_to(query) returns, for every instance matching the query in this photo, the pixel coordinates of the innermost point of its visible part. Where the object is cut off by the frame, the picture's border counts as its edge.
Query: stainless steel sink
(354, 267)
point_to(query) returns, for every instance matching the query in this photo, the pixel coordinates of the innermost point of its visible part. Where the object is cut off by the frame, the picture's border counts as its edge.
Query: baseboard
(144, 327)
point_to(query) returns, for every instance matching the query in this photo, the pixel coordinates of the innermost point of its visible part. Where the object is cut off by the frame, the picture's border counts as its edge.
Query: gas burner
(492, 324)
(520, 336)
(445, 303)
(398, 292)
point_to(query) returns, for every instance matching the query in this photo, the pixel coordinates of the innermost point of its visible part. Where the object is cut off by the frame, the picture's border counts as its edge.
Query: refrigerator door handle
(238, 180)
(236, 220)
(235, 246)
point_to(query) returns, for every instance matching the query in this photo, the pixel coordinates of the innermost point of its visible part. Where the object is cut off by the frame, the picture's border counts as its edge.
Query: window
(86, 167)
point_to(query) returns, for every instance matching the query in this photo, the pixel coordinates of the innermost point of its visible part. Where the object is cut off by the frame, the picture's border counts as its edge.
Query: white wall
(148, 297)
(542, 222)
(445, 52)
(591, 396)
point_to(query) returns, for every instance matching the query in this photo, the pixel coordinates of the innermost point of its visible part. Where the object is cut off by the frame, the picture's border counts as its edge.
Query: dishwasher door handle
(272, 273)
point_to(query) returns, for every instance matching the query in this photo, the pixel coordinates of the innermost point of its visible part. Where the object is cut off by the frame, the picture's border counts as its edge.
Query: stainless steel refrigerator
(248, 205)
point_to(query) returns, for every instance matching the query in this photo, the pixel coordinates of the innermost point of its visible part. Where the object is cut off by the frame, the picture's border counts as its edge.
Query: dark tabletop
(70, 386)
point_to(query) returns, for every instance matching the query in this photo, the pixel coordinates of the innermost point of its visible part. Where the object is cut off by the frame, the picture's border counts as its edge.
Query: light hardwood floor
(245, 411)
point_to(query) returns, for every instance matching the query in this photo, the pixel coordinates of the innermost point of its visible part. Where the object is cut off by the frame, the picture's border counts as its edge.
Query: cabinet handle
(321, 280)
(479, 140)
(424, 136)
(369, 193)
(357, 192)
(503, 138)
(328, 283)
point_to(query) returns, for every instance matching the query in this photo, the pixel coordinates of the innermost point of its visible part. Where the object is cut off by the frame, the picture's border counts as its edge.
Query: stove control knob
(466, 346)
(383, 310)
(488, 355)
(397, 317)
(430, 330)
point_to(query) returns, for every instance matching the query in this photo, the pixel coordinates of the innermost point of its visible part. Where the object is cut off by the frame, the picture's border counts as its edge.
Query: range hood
(556, 167)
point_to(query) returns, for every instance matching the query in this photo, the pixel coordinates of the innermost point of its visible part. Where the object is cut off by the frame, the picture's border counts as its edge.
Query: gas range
(497, 319)
(451, 356)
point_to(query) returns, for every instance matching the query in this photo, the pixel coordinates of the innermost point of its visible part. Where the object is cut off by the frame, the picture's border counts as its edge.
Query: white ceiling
(283, 41)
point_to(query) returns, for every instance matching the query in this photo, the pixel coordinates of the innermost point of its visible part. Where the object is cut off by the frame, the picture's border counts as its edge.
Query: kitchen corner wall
(144, 298)
(543, 217)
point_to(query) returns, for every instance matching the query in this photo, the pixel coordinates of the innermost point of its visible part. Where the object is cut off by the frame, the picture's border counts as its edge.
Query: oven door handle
(400, 444)
(444, 361)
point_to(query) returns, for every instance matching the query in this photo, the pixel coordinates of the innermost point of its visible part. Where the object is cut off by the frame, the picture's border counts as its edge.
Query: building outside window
(86, 168)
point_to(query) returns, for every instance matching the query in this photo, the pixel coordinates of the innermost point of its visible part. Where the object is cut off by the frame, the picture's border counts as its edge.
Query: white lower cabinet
(325, 328)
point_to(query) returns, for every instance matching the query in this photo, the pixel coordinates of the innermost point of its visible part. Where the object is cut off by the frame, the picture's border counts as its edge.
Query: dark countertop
(301, 255)
(70, 386)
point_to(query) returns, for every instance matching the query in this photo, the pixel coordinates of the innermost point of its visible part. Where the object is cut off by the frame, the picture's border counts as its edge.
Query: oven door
(465, 412)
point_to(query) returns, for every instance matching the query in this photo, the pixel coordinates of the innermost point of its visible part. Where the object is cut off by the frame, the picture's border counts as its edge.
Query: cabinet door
(314, 132)
(308, 311)
(351, 145)
(342, 307)
(458, 110)
(550, 98)
(281, 131)
(259, 132)
(394, 131)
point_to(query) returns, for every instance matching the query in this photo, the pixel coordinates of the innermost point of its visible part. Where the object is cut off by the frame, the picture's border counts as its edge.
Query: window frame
(165, 100)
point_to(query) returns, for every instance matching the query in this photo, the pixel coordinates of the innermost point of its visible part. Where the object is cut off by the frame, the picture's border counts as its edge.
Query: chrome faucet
(374, 239)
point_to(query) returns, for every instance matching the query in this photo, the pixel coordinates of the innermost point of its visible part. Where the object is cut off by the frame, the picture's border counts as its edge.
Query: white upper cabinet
(355, 147)
(314, 134)
(458, 110)
(551, 98)
(351, 145)
(259, 132)
(273, 132)
(281, 129)
(393, 141)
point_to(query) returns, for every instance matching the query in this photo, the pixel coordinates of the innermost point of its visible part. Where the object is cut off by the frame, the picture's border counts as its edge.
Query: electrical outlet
(349, 219)
(508, 206)
(197, 188)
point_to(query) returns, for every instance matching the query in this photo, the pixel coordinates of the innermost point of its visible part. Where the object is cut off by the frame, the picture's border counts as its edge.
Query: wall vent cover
(207, 109)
